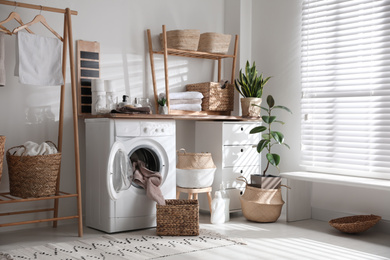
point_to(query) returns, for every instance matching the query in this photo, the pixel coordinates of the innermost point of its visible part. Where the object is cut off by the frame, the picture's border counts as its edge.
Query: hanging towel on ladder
(38, 60)
(2, 58)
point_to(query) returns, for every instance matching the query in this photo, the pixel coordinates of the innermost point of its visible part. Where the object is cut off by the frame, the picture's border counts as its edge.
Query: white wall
(276, 50)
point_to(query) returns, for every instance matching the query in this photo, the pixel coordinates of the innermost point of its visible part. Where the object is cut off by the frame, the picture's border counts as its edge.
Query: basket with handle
(33, 176)
(190, 161)
(261, 205)
(2, 146)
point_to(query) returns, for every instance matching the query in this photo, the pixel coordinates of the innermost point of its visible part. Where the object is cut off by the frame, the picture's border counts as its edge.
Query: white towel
(184, 95)
(2, 54)
(36, 149)
(189, 107)
(185, 101)
(38, 60)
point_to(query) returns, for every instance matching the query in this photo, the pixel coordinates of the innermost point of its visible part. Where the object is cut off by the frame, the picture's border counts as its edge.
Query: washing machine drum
(120, 168)
(119, 172)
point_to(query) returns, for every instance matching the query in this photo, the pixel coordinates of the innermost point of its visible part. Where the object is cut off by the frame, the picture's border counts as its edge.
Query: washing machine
(113, 201)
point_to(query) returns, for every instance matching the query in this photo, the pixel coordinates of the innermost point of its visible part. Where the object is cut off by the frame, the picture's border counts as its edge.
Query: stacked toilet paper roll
(98, 89)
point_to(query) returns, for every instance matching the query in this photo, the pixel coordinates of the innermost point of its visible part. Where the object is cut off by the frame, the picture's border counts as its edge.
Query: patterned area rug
(132, 245)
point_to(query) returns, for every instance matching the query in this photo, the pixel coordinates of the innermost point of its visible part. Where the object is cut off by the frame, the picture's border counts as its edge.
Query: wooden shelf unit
(189, 54)
(6, 198)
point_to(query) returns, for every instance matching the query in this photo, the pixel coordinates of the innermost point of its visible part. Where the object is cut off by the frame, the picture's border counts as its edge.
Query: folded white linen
(38, 60)
(2, 58)
(185, 101)
(185, 95)
(33, 149)
(189, 107)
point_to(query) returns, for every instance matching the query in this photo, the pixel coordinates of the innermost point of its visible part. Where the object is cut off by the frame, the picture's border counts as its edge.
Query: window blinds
(346, 87)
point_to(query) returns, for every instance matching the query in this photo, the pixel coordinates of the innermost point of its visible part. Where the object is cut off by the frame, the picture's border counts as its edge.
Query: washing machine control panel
(157, 129)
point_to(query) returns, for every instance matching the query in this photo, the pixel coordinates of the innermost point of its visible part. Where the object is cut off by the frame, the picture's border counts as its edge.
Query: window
(346, 87)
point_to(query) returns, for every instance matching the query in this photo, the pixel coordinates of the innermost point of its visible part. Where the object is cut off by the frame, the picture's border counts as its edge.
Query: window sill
(379, 184)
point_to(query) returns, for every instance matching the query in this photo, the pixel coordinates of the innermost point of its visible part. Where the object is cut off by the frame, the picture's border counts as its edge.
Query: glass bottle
(100, 105)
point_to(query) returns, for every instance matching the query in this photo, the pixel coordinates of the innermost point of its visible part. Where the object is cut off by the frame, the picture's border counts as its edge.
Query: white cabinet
(233, 153)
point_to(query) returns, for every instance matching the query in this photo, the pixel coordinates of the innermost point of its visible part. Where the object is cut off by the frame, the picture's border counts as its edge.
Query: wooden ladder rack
(6, 198)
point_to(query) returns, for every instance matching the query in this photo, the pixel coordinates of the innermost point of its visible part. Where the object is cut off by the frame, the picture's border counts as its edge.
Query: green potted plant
(162, 106)
(250, 86)
(269, 138)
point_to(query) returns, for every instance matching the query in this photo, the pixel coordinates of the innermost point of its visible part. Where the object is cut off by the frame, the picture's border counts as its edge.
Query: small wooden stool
(193, 192)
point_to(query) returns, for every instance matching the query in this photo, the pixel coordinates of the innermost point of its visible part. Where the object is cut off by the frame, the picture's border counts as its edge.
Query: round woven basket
(189, 161)
(2, 146)
(354, 224)
(33, 176)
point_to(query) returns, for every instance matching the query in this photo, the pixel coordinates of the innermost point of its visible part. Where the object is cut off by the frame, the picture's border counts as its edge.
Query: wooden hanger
(11, 16)
(38, 18)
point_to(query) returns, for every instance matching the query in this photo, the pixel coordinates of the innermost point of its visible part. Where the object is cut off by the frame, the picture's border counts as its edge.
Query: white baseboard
(326, 215)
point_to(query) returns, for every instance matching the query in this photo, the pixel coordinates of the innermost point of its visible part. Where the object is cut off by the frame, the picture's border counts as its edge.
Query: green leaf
(286, 145)
(258, 129)
(262, 144)
(280, 122)
(270, 101)
(268, 119)
(283, 107)
(266, 136)
(278, 136)
(273, 159)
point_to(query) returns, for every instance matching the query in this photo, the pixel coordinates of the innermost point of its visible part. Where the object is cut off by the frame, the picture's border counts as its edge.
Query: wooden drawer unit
(233, 153)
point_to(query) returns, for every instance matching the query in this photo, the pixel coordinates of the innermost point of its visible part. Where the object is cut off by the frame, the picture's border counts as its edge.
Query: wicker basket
(33, 176)
(261, 205)
(178, 218)
(354, 224)
(182, 39)
(214, 42)
(189, 161)
(215, 97)
(2, 145)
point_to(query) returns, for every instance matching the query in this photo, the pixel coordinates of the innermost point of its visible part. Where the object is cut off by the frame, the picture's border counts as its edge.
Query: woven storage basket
(182, 39)
(261, 205)
(178, 218)
(214, 42)
(354, 224)
(189, 161)
(33, 176)
(2, 145)
(215, 98)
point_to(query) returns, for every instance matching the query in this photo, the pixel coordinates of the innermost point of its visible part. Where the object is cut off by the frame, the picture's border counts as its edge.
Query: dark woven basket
(2, 145)
(354, 224)
(178, 218)
(33, 176)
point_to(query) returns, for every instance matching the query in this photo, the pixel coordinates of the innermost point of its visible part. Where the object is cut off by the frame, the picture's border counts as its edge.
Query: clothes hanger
(11, 16)
(38, 18)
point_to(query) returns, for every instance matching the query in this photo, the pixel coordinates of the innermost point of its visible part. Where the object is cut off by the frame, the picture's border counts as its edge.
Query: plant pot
(247, 108)
(163, 110)
(266, 182)
(261, 205)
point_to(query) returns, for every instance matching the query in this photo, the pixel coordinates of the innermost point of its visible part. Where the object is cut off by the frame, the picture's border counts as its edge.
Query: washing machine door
(119, 171)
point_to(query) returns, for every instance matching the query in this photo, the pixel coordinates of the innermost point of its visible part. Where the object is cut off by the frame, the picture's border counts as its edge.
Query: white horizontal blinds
(346, 87)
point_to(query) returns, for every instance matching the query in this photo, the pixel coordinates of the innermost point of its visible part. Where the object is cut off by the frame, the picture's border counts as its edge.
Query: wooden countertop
(194, 117)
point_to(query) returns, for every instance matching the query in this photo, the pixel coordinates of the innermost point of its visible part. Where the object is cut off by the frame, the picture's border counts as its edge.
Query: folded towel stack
(189, 100)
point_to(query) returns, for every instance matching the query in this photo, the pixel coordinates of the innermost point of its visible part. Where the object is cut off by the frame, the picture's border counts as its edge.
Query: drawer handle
(242, 150)
(241, 171)
(242, 129)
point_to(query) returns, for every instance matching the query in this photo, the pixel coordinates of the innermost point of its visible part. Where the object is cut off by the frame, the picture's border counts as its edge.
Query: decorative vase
(163, 110)
(248, 110)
